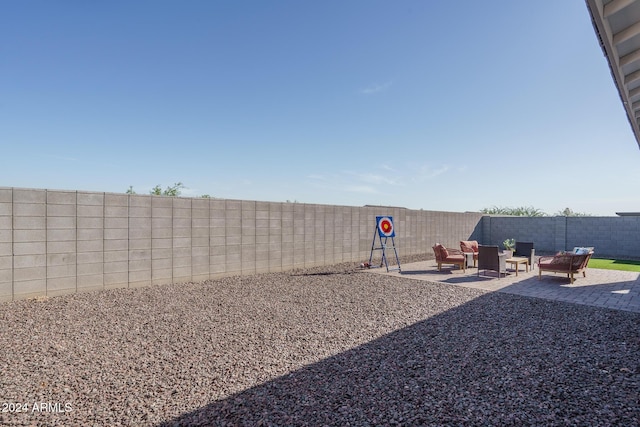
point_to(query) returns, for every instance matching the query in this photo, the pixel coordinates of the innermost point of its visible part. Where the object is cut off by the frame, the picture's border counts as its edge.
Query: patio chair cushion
(442, 251)
(469, 246)
(581, 251)
(443, 254)
(564, 262)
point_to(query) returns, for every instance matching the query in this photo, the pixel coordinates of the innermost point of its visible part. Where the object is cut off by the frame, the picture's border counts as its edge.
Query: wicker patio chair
(490, 258)
(526, 250)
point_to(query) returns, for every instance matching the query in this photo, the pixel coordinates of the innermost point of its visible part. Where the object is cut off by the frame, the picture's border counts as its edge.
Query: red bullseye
(386, 227)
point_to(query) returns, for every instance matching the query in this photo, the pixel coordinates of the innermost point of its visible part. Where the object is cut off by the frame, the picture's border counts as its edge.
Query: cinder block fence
(612, 237)
(59, 242)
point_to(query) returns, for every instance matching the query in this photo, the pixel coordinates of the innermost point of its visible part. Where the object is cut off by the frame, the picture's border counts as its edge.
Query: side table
(516, 261)
(468, 257)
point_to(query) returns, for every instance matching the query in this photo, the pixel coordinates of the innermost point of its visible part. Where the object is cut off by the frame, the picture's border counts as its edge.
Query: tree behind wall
(520, 211)
(528, 211)
(175, 190)
(569, 212)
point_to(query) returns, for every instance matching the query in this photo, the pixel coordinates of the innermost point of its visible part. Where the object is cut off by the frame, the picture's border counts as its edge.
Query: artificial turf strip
(615, 264)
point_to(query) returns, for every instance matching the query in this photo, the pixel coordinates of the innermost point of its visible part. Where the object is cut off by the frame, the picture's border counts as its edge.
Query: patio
(619, 290)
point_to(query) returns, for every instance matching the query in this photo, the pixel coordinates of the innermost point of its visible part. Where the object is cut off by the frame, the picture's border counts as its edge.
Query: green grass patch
(615, 264)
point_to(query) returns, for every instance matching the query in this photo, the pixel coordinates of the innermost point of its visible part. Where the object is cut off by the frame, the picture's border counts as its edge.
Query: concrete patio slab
(619, 290)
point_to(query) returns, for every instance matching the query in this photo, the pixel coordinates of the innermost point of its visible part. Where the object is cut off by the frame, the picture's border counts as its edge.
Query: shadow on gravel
(326, 273)
(455, 280)
(497, 360)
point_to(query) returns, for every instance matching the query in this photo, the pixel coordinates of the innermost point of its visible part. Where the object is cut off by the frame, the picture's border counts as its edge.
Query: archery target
(385, 226)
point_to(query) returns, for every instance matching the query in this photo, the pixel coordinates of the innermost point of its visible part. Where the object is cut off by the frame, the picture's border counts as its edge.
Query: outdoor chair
(490, 258)
(566, 262)
(526, 250)
(449, 256)
(467, 246)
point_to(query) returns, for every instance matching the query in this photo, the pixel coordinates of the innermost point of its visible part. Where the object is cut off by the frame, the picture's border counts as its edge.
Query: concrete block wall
(182, 240)
(116, 241)
(218, 254)
(547, 233)
(62, 243)
(612, 237)
(90, 223)
(200, 239)
(30, 244)
(6, 244)
(139, 235)
(161, 240)
(58, 242)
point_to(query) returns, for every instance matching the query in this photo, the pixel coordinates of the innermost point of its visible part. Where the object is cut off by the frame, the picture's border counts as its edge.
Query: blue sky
(450, 106)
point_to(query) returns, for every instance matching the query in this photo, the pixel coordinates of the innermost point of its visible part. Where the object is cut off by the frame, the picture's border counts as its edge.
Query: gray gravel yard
(321, 346)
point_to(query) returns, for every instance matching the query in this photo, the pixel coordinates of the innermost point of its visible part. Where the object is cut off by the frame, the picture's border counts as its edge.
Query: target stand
(383, 232)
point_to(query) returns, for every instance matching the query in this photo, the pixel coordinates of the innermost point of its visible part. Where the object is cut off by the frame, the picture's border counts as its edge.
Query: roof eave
(605, 38)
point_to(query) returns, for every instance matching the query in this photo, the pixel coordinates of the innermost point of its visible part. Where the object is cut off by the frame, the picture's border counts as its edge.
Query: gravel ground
(322, 346)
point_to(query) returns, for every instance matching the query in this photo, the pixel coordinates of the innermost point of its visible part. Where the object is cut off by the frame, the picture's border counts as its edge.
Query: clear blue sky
(436, 105)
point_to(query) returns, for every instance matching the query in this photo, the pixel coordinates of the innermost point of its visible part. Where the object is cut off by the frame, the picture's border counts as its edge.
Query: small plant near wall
(509, 244)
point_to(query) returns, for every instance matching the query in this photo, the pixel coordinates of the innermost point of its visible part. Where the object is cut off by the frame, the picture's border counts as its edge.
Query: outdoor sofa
(570, 263)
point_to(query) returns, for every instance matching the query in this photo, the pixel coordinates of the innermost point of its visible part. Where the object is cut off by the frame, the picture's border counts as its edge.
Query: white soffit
(617, 25)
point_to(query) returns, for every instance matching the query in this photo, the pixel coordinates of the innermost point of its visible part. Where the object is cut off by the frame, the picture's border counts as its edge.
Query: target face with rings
(385, 226)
